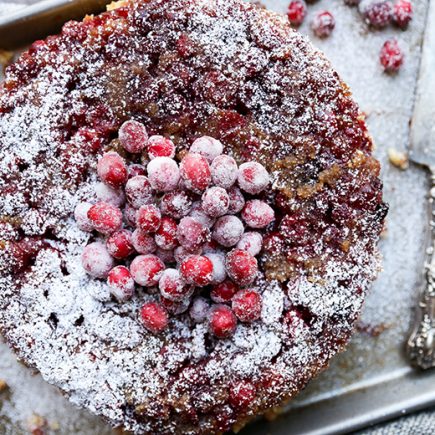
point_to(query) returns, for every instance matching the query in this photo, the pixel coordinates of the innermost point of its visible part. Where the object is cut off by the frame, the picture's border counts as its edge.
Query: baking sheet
(371, 381)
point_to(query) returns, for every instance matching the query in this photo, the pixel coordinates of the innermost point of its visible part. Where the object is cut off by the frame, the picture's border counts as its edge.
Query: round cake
(256, 158)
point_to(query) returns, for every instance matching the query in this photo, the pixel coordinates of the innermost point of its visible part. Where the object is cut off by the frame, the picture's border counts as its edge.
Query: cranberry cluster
(185, 230)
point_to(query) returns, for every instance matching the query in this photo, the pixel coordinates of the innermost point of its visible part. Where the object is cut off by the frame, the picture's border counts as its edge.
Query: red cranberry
(81, 216)
(251, 242)
(173, 287)
(130, 215)
(160, 146)
(143, 242)
(112, 170)
(148, 218)
(195, 171)
(181, 253)
(166, 235)
(120, 244)
(224, 291)
(199, 309)
(146, 270)
(224, 171)
(105, 218)
(237, 200)
(175, 308)
(242, 267)
(208, 147)
(133, 136)
(138, 191)
(258, 214)
(192, 234)
(297, 9)
(210, 246)
(219, 271)
(377, 13)
(402, 13)
(201, 216)
(107, 194)
(323, 24)
(253, 177)
(228, 230)
(154, 317)
(163, 174)
(176, 204)
(242, 394)
(391, 56)
(121, 283)
(135, 169)
(215, 201)
(197, 270)
(247, 305)
(96, 260)
(222, 321)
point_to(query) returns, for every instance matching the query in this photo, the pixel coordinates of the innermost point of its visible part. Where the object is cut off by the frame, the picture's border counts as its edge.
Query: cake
(183, 71)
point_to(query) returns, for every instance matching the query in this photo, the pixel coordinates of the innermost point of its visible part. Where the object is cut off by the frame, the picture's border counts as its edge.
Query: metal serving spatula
(421, 343)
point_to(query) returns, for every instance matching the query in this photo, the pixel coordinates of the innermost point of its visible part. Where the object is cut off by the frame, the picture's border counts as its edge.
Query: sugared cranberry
(173, 287)
(296, 11)
(110, 195)
(195, 172)
(377, 13)
(224, 171)
(251, 242)
(192, 234)
(176, 204)
(130, 215)
(199, 309)
(81, 216)
(242, 267)
(200, 215)
(242, 394)
(208, 147)
(163, 174)
(105, 218)
(246, 305)
(121, 283)
(120, 244)
(402, 13)
(112, 170)
(223, 292)
(228, 230)
(166, 255)
(175, 308)
(154, 317)
(252, 177)
(143, 242)
(146, 270)
(166, 235)
(215, 201)
(96, 260)
(133, 136)
(219, 271)
(197, 270)
(258, 214)
(323, 24)
(160, 146)
(148, 218)
(391, 56)
(222, 321)
(181, 253)
(135, 169)
(237, 200)
(138, 191)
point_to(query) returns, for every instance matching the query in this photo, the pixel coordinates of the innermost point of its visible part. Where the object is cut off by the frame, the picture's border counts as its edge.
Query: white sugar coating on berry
(228, 230)
(258, 214)
(200, 215)
(146, 270)
(176, 204)
(180, 253)
(251, 242)
(191, 234)
(130, 215)
(253, 177)
(215, 201)
(81, 216)
(163, 174)
(166, 255)
(138, 191)
(219, 270)
(172, 286)
(121, 283)
(143, 243)
(199, 309)
(237, 200)
(224, 171)
(208, 147)
(160, 146)
(107, 194)
(105, 218)
(175, 308)
(133, 136)
(96, 260)
(112, 169)
(195, 172)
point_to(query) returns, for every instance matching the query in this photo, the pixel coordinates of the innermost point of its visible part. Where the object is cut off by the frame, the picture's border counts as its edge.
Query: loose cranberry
(208, 147)
(154, 317)
(242, 394)
(191, 234)
(391, 56)
(323, 24)
(163, 174)
(402, 13)
(143, 242)
(242, 267)
(228, 230)
(297, 9)
(219, 271)
(237, 200)
(200, 215)
(107, 194)
(146, 270)
(121, 283)
(160, 146)
(215, 201)
(197, 270)
(105, 218)
(223, 292)
(195, 171)
(181, 253)
(222, 321)
(130, 215)
(81, 216)
(138, 191)
(135, 169)
(176, 204)
(148, 218)
(251, 242)
(96, 260)
(120, 244)
(253, 177)
(377, 13)
(133, 136)
(173, 287)
(166, 255)
(166, 235)
(246, 305)
(224, 171)
(199, 309)
(258, 214)
(175, 308)
(112, 170)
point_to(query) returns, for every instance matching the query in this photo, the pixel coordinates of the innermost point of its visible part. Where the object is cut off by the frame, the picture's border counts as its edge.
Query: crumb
(36, 424)
(398, 158)
(5, 58)
(54, 425)
(3, 385)
(372, 330)
(115, 5)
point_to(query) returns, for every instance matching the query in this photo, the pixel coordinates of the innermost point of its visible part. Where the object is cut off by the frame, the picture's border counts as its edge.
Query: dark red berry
(146, 270)
(228, 230)
(242, 267)
(163, 174)
(176, 204)
(138, 191)
(197, 270)
(402, 13)
(120, 244)
(253, 177)
(143, 243)
(105, 218)
(222, 321)
(96, 260)
(160, 146)
(224, 291)
(195, 172)
(224, 171)
(242, 394)
(166, 235)
(391, 56)
(121, 283)
(133, 136)
(135, 169)
(296, 11)
(258, 214)
(377, 13)
(192, 234)
(215, 201)
(207, 147)
(323, 24)
(154, 317)
(112, 170)
(173, 287)
(148, 218)
(246, 305)
(81, 216)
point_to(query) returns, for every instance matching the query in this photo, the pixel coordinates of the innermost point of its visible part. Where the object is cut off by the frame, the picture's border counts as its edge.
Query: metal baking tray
(372, 381)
